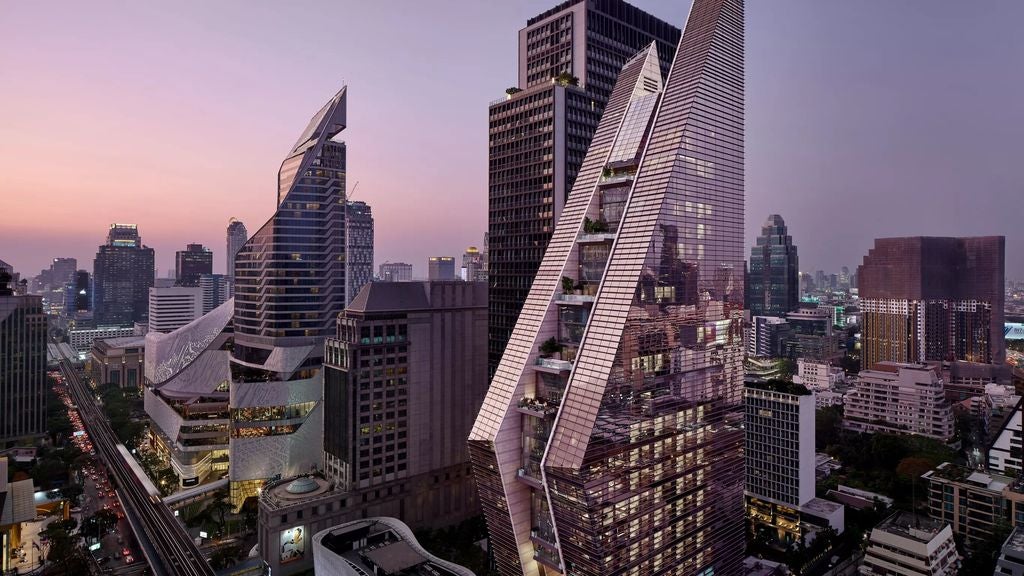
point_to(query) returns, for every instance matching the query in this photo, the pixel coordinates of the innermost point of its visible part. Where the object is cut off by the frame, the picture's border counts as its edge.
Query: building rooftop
(912, 526)
(775, 385)
(1015, 542)
(124, 342)
(380, 546)
(824, 508)
(291, 491)
(955, 473)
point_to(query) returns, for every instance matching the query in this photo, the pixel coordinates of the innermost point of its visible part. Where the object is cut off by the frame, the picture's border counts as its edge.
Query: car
(129, 559)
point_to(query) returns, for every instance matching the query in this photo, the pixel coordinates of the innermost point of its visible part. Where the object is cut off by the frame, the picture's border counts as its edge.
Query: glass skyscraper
(610, 439)
(773, 280)
(123, 273)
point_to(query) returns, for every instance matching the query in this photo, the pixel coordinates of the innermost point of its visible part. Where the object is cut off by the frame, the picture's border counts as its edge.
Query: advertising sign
(293, 544)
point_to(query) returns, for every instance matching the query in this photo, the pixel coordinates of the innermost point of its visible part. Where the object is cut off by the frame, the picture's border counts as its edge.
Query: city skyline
(144, 153)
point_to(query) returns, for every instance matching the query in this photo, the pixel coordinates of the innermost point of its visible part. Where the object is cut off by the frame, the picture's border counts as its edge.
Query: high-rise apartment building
(773, 287)
(610, 439)
(123, 273)
(289, 288)
(22, 364)
(62, 270)
(569, 57)
(900, 399)
(216, 289)
(1006, 453)
(395, 272)
(191, 263)
(441, 268)
(359, 248)
(926, 299)
(906, 544)
(173, 307)
(236, 237)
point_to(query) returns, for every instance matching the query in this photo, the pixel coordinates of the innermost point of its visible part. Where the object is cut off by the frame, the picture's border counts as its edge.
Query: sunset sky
(864, 119)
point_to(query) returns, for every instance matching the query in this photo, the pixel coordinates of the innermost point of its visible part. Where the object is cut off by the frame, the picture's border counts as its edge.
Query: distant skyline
(864, 120)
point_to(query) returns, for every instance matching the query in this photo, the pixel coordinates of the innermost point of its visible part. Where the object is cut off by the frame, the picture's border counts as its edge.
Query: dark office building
(928, 299)
(123, 273)
(773, 283)
(22, 364)
(78, 294)
(191, 263)
(403, 382)
(569, 58)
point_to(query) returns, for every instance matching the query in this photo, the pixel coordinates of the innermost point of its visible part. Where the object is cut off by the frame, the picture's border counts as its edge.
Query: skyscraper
(289, 288)
(78, 297)
(569, 57)
(610, 439)
(237, 235)
(359, 250)
(22, 364)
(123, 273)
(216, 290)
(441, 268)
(172, 307)
(395, 272)
(773, 287)
(474, 264)
(927, 299)
(191, 263)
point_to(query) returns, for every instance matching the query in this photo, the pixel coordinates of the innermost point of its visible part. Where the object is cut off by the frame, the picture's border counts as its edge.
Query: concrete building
(811, 335)
(358, 248)
(82, 338)
(906, 544)
(818, 375)
(372, 546)
(441, 268)
(123, 273)
(900, 399)
(23, 328)
(539, 134)
(474, 265)
(826, 398)
(395, 272)
(772, 280)
(1011, 556)
(118, 361)
(236, 237)
(768, 337)
(624, 369)
(191, 263)
(216, 289)
(1005, 454)
(172, 308)
(926, 299)
(973, 503)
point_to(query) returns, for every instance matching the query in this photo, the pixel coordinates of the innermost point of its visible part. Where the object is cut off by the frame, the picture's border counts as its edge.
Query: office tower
(441, 268)
(911, 545)
(569, 57)
(62, 270)
(773, 278)
(474, 265)
(237, 235)
(395, 272)
(622, 381)
(216, 289)
(844, 278)
(900, 399)
(371, 546)
(359, 248)
(78, 292)
(289, 288)
(22, 364)
(191, 263)
(123, 273)
(768, 337)
(812, 335)
(927, 299)
(172, 308)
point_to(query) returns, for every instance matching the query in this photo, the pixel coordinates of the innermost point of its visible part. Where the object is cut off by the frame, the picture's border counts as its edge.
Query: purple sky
(864, 119)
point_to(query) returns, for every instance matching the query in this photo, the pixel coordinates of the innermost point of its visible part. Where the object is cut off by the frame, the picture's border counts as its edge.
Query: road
(175, 553)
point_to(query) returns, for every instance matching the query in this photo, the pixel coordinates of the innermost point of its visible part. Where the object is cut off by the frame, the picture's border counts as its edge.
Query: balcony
(526, 477)
(615, 179)
(595, 237)
(547, 557)
(537, 407)
(575, 299)
(553, 365)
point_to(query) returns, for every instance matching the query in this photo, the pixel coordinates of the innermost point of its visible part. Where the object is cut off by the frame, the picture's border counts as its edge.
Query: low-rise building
(372, 546)
(828, 398)
(973, 503)
(1011, 557)
(900, 399)
(118, 361)
(82, 338)
(818, 375)
(1005, 453)
(906, 544)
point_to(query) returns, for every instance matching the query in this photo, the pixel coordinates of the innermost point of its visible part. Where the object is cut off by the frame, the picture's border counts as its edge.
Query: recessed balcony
(536, 407)
(553, 365)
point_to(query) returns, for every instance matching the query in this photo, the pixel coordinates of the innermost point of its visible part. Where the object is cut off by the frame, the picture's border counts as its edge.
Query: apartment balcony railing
(554, 364)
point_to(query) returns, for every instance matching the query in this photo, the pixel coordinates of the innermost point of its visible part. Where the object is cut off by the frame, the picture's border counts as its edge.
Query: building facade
(216, 289)
(118, 361)
(905, 544)
(474, 265)
(900, 399)
(395, 272)
(236, 238)
(123, 273)
(610, 440)
(926, 299)
(1006, 454)
(773, 287)
(191, 263)
(23, 331)
(569, 58)
(974, 504)
(768, 337)
(171, 308)
(441, 268)
(359, 248)
(1011, 556)
(279, 323)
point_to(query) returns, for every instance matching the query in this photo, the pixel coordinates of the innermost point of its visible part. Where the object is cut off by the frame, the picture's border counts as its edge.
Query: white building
(173, 307)
(900, 399)
(905, 544)
(827, 398)
(817, 375)
(1011, 558)
(1004, 456)
(81, 339)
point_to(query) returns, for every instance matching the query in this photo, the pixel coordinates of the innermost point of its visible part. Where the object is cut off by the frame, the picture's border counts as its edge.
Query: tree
(72, 492)
(828, 424)
(220, 506)
(224, 557)
(101, 522)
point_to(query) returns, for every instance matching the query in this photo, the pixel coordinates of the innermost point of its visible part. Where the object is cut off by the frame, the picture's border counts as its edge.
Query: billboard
(1014, 331)
(293, 544)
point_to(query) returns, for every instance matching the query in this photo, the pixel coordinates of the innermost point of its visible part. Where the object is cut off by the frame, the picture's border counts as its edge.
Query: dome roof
(302, 486)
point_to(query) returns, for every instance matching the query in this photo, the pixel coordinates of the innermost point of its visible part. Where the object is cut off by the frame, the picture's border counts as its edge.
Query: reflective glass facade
(610, 440)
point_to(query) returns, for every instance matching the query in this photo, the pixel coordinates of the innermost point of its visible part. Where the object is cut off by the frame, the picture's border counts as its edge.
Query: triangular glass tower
(609, 441)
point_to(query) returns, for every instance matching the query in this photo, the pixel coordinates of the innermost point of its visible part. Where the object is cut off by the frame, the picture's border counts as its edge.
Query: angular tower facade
(289, 288)
(773, 282)
(610, 439)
